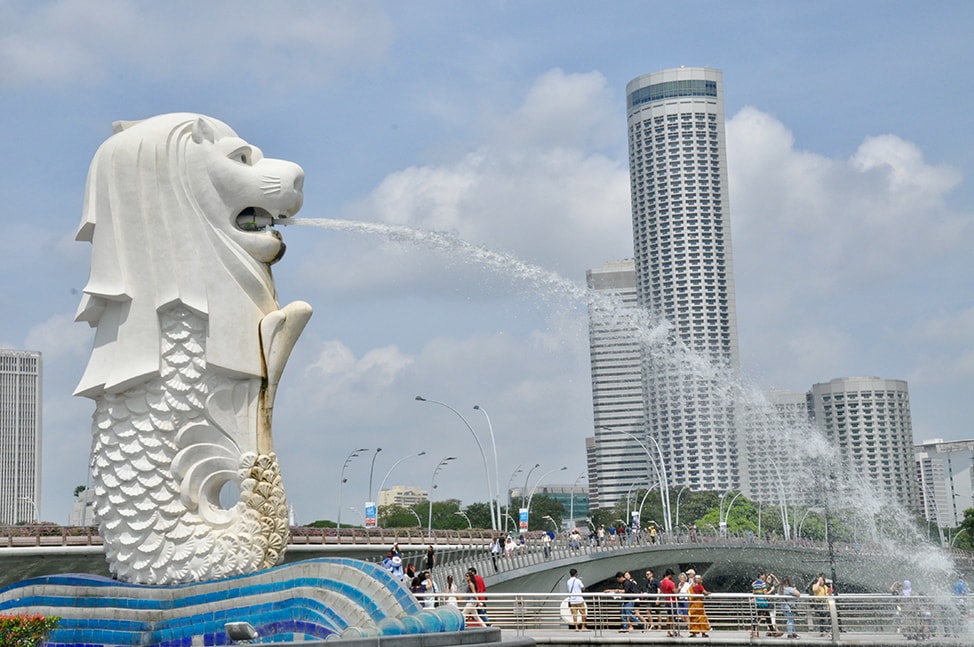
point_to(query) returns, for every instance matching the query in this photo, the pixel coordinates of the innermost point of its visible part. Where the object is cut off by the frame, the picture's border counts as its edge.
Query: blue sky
(851, 193)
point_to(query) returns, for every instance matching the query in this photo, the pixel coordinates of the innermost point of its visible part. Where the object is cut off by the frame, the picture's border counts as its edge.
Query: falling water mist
(808, 466)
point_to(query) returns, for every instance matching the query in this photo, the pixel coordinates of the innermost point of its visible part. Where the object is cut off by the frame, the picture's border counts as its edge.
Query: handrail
(861, 618)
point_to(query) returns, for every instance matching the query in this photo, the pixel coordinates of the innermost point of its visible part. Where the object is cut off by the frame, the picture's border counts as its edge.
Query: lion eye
(242, 155)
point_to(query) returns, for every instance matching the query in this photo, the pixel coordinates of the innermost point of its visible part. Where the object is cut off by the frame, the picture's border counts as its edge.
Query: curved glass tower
(684, 271)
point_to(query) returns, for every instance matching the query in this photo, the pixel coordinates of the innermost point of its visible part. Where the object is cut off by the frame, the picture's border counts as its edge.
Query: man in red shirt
(481, 599)
(668, 614)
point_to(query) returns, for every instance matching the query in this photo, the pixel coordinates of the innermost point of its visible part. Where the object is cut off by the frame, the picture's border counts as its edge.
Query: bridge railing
(869, 617)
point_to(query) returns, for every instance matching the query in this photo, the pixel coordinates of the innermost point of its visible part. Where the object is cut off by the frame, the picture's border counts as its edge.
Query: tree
(479, 515)
(966, 540)
(79, 489)
(542, 506)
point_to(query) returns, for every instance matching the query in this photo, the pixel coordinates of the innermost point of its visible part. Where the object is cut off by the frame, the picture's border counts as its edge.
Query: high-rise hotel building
(20, 436)
(868, 419)
(684, 273)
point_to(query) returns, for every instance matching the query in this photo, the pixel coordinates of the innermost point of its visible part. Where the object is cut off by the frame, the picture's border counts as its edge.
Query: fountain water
(807, 467)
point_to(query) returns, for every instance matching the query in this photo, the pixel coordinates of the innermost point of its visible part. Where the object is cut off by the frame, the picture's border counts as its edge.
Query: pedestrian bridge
(727, 564)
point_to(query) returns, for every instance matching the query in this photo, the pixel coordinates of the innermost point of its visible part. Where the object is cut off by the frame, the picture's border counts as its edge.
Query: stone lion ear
(119, 126)
(203, 131)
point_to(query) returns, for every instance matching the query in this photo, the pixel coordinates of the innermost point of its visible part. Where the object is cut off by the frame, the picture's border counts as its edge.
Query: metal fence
(851, 617)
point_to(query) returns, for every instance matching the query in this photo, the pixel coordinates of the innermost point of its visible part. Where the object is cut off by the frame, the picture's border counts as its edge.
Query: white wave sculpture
(189, 348)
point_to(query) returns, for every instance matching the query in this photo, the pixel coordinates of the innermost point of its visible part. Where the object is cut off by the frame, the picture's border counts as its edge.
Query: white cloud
(56, 43)
(820, 222)
(60, 338)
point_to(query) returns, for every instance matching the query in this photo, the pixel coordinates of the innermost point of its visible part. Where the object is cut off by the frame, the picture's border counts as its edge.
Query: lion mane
(159, 209)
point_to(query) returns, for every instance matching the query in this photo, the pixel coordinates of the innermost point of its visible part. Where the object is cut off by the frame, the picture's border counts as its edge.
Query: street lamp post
(724, 514)
(524, 492)
(537, 483)
(372, 471)
(678, 495)
(351, 455)
(660, 472)
(446, 459)
(571, 514)
(497, 478)
(464, 515)
(33, 505)
(784, 502)
(507, 495)
(419, 522)
(483, 455)
(370, 500)
(382, 485)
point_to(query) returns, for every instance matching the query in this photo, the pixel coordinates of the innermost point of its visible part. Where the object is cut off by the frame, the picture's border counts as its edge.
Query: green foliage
(78, 489)
(965, 532)
(542, 506)
(25, 630)
(479, 514)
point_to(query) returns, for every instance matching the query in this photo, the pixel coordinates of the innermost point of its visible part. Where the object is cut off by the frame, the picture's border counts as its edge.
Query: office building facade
(616, 459)
(684, 271)
(20, 436)
(945, 476)
(868, 420)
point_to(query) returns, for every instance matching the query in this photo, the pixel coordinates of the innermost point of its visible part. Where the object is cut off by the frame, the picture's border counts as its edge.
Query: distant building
(945, 473)
(773, 431)
(402, 495)
(868, 420)
(20, 436)
(617, 386)
(575, 500)
(83, 510)
(684, 270)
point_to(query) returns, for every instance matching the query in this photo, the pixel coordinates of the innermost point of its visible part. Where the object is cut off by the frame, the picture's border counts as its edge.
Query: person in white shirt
(576, 603)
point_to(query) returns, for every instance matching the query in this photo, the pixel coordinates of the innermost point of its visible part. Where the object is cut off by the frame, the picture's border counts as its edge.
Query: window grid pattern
(681, 231)
(20, 435)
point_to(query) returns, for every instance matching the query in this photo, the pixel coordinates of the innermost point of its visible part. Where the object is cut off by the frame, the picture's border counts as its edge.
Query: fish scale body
(156, 531)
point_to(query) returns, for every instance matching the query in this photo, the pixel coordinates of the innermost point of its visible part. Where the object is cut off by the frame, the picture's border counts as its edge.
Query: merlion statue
(189, 348)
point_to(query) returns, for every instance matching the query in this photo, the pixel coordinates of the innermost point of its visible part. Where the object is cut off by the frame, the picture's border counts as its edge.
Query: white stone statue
(189, 348)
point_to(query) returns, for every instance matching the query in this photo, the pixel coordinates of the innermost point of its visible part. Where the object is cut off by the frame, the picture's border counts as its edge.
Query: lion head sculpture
(178, 209)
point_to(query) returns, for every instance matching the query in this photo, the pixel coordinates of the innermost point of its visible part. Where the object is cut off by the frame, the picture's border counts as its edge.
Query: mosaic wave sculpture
(307, 600)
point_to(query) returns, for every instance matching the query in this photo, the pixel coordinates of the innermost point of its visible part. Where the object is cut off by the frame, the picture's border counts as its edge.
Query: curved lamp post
(660, 473)
(722, 515)
(382, 485)
(497, 478)
(351, 455)
(439, 466)
(465, 517)
(490, 495)
(419, 522)
(507, 496)
(571, 513)
(678, 495)
(553, 524)
(33, 504)
(524, 492)
(537, 483)
(372, 471)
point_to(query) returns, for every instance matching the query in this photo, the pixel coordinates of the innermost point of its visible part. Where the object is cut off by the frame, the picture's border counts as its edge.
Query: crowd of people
(675, 603)
(421, 583)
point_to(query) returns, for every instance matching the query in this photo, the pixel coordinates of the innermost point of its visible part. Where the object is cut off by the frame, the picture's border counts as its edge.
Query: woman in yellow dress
(697, 616)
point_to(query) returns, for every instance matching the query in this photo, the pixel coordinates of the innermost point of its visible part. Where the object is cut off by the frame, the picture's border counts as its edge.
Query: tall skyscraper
(684, 273)
(20, 436)
(617, 391)
(868, 419)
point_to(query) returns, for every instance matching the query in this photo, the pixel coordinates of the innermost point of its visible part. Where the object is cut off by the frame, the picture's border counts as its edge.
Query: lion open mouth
(255, 219)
